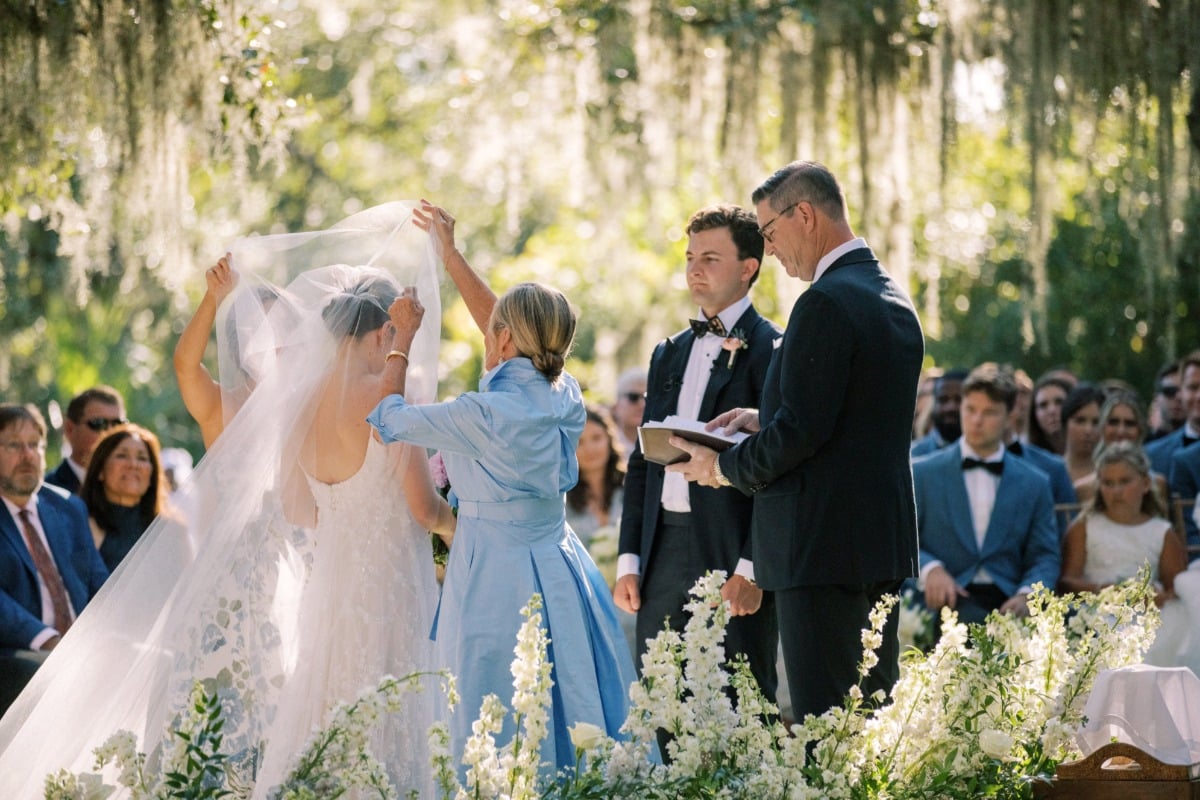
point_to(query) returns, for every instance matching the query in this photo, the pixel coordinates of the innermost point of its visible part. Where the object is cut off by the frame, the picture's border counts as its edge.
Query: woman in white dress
(302, 578)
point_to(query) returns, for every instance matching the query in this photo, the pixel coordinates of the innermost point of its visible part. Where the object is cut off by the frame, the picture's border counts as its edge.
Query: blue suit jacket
(64, 477)
(1161, 450)
(1184, 480)
(64, 519)
(1021, 545)
(929, 443)
(1061, 488)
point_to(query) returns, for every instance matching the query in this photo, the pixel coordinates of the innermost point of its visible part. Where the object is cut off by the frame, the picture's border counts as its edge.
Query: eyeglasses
(765, 230)
(99, 424)
(634, 397)
(1168, 391)
(17, 448)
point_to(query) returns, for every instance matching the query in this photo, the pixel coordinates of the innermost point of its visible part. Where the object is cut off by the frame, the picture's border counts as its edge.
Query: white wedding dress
(367, 613)
(279, 616)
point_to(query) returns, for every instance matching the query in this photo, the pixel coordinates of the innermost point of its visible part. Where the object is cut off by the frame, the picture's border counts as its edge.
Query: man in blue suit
(1163, 449)
(49, 566)
(986, 521)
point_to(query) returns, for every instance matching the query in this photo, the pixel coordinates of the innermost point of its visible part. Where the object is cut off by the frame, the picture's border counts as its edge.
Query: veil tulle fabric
(228, 596)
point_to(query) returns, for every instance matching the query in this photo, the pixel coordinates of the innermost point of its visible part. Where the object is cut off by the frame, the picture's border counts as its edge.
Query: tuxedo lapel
(999, 524)
(675, 358)
(958, 501)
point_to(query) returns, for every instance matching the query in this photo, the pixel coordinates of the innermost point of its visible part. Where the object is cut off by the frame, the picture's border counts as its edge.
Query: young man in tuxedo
(986, 518)
(673, 532)
(49, 566)
(828, 463)
(89, 415)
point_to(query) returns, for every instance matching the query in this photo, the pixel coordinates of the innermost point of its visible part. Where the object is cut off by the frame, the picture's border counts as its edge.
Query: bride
(305, 574)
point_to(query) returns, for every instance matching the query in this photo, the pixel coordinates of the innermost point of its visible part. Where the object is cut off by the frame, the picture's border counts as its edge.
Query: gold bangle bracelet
(396, 354)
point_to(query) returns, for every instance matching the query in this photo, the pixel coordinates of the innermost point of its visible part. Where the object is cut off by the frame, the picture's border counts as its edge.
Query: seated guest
(1163, 449)
(1081, 422)
(629, 408)
(124, 490)
(947, 396)
(923, 413)
(1167, 413)
(1045, 413)
(985, 521)
(89, 414)
(49, 568)
(1125, 528)
(595, 502)
(1122, 420)
(1061, 488)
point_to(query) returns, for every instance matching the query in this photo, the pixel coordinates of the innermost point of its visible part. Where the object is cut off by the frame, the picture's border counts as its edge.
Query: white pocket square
(775, 344)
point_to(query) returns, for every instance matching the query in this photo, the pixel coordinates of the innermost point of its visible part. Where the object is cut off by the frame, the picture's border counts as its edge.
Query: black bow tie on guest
(703, 326)
(1187, 440)
(1015, 448)
(994, 467)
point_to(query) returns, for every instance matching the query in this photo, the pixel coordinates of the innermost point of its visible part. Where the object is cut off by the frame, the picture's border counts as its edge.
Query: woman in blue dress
(509, 451)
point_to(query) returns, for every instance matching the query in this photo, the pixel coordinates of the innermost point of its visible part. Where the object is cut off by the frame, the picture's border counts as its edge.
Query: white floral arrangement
(989, 711)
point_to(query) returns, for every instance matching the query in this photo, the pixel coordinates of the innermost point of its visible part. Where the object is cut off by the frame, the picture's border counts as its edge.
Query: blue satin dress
(509, 451)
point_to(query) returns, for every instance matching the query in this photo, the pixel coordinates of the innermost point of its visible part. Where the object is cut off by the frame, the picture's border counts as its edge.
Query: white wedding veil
(216, 597)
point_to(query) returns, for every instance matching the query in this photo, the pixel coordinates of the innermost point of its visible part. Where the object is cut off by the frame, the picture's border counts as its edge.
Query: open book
(653, 437)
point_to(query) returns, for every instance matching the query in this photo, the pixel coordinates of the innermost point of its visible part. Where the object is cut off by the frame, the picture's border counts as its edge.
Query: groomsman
(947, 397)
(834, 525)
(673, 532)
(89, 415)
(49, 566)
(986, 519)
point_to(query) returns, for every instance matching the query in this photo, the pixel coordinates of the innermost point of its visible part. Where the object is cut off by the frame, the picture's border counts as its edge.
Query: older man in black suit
(49, 566)
(835, 525)
(672, 533)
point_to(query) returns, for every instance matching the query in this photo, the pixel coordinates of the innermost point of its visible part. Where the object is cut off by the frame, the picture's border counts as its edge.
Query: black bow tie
(1016, 449)
(703, 326)
(1187, 440)
(994, 467)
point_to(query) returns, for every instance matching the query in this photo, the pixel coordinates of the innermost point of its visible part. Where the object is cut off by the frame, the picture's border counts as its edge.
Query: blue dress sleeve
(462, 425)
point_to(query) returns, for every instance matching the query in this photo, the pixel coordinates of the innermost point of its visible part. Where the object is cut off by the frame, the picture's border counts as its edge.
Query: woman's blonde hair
(542, 325)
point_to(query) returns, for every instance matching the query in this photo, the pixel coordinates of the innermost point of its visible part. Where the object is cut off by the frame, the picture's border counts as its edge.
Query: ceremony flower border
(989, 711)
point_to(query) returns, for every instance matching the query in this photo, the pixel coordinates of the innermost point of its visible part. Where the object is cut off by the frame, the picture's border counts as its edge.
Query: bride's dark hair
(361, 308)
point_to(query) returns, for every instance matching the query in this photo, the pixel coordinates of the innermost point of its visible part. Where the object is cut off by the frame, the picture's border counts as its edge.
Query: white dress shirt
(836, 253)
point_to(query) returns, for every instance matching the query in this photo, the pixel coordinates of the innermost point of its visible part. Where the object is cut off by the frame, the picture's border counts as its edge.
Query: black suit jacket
(63, 477)
(720, 517)
(830, 471)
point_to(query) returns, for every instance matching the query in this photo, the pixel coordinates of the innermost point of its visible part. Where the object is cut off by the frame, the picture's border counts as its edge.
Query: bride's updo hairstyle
(542, 325)
(360, 308)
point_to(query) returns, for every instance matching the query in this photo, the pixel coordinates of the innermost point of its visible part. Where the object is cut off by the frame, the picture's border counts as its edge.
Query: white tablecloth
(1156, 709)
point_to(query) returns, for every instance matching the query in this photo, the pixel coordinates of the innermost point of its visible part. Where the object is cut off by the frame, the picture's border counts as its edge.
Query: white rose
(586, 736)
(996, 744)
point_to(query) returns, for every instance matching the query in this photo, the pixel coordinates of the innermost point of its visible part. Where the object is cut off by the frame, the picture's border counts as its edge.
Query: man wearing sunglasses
(89, 415)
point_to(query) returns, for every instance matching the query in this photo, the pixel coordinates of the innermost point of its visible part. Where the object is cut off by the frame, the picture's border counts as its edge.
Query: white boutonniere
(735, 342)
